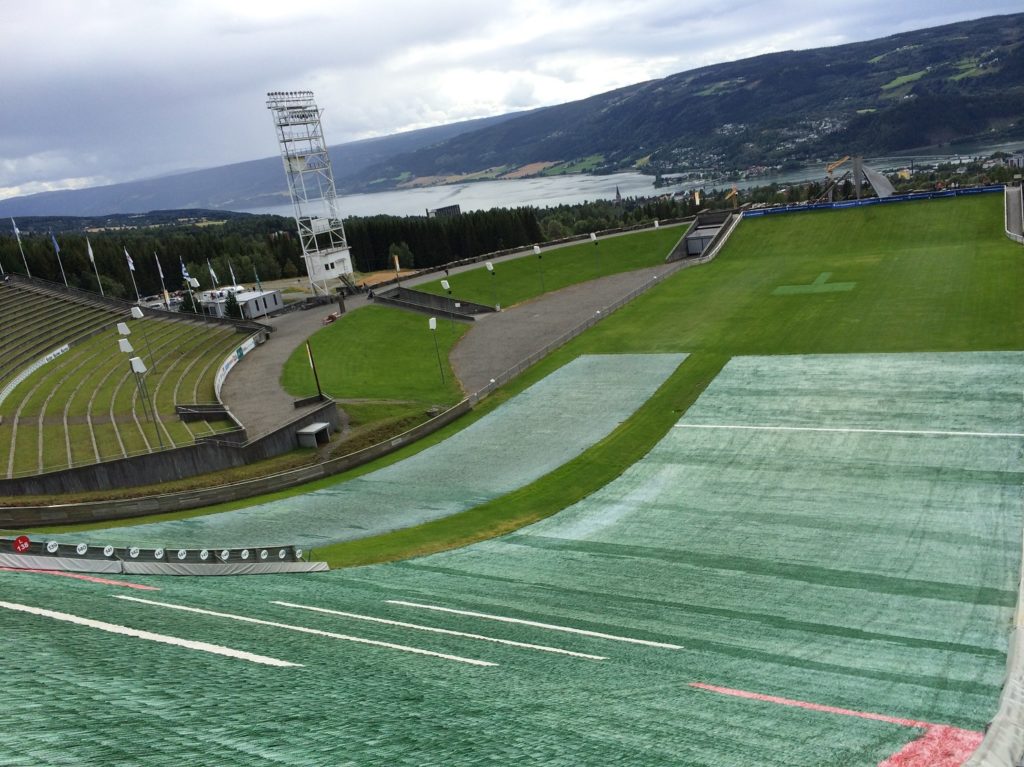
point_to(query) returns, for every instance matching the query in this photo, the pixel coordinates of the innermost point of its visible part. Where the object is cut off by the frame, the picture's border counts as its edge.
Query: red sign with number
(21, 544)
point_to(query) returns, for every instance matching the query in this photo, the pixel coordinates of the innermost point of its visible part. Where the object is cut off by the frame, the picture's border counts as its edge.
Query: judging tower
(307, 166)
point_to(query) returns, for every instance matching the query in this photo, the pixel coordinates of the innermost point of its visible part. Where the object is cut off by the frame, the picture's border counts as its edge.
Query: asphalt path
(495, 343)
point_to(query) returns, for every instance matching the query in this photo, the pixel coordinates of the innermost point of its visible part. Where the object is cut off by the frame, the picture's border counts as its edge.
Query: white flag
(131, 264)
(213, 274)
(158, 269)
(17, 232)
(88, 245)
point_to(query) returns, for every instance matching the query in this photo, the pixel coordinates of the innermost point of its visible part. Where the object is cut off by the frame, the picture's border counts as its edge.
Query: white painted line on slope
(923, 432)
(449, 632)
(306, 630)
(535, 624)
(114, 628)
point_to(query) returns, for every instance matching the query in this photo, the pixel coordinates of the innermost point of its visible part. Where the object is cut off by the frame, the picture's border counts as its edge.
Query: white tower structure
(307, 166)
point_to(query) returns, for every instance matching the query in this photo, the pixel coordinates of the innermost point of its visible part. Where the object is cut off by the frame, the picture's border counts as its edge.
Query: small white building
(253, 303)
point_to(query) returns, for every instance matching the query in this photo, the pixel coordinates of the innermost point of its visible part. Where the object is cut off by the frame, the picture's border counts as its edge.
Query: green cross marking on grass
(820, 285)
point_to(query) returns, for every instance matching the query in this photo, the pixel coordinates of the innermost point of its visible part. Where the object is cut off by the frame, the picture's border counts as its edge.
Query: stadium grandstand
(69, 396)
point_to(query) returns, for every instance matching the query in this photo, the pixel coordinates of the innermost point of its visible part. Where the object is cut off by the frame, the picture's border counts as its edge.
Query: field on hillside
(922, 276)
(813, 562)
(826, 588)
(918, 276)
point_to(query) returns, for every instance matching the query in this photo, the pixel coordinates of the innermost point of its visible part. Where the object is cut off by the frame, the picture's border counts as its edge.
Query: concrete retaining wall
(213, 453)
(430, 303)
(20, 517)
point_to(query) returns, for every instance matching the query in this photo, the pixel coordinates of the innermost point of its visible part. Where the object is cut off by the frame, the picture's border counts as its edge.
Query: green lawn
(930, 276)
(378, 353)
(515, 281)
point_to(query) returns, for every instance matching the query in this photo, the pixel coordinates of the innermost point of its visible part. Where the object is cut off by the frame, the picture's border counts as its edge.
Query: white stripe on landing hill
(113, 628)
(449, 632)
(306, 630)
(548, 626)
(923, 432)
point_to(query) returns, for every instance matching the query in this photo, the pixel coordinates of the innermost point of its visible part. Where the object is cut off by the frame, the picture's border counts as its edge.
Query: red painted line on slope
(808, 706)
(941, 745)
(81, 577)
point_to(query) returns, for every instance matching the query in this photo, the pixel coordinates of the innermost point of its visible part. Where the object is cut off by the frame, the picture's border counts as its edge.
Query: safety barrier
(26, 554)
(754, 213)
(234, 358)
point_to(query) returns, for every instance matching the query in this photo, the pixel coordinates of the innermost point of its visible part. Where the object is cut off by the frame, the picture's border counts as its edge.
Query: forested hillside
(959, 82)
(249, 245)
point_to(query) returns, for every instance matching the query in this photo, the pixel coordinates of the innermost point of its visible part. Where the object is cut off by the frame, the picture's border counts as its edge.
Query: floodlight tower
(307, 166)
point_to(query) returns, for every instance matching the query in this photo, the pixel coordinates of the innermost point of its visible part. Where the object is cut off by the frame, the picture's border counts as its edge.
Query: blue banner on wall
(873, 201)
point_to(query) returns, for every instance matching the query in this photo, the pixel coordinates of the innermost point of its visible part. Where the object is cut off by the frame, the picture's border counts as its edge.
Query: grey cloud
(127, 89)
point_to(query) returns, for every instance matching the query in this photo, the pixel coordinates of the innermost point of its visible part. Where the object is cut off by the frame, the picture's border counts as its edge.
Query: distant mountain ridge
(962, 81)
(250, 184)
(926, 88)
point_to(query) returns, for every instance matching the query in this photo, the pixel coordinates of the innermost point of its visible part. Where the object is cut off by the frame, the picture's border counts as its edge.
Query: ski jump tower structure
(307, 166)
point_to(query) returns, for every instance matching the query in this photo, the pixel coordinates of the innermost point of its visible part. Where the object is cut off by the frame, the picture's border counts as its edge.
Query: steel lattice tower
(307, 166)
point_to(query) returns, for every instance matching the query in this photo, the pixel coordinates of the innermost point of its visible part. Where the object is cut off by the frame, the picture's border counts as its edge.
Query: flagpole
(188, 283)
(92, 258)
(259, 285)
(23, 259)
(309, 353)
(56, 249)
(163, 288)
(131, 271)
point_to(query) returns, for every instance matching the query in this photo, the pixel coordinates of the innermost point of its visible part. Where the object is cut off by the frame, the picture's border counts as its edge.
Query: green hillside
(922, 277)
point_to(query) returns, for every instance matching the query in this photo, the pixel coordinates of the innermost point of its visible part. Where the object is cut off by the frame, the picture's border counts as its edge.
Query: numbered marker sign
(21, 544)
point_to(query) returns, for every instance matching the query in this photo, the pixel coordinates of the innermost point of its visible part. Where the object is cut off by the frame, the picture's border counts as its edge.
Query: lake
(547, 191)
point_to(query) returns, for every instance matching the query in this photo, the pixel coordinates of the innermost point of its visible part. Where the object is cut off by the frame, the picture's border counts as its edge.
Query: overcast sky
(110, 90)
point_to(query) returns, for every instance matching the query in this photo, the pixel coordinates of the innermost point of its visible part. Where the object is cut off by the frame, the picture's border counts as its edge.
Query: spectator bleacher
(68, 396)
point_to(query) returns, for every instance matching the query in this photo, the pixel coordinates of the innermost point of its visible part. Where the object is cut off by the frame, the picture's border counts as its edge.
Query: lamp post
(138, 315)
(432, 324)
(451, 304)
(191, 283)
(138, 368)
(540, 264)
(597, 250)
(494, 285)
